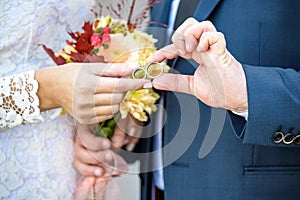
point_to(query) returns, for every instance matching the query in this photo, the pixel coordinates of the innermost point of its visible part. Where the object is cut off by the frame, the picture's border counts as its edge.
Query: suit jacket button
(278, 137)
(288, 139)
(297, 139)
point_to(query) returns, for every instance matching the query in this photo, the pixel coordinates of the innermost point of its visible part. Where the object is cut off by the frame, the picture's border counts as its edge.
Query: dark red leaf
(86, 58)
(82, 42)
(59, 60)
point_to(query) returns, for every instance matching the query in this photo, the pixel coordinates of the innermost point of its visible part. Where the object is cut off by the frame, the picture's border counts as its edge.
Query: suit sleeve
(273, 106)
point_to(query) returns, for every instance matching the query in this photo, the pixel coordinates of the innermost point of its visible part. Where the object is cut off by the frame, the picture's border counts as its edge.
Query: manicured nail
(180, 52)
(130, 147)
(131, 132)
(97, 172)
(108, 157)
(134, 65)
(126, 142)
(147, 86)
(105, 144)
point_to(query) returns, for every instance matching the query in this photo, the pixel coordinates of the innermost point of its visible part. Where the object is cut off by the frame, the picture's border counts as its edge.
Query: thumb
(175, 82)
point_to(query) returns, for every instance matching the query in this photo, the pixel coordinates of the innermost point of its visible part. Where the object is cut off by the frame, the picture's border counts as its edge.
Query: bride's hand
(127, 133)
(90, 92)
(93, 157)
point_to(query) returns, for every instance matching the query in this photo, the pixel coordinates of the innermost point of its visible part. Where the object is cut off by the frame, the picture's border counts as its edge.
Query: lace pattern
(19, 102)
(35, 159)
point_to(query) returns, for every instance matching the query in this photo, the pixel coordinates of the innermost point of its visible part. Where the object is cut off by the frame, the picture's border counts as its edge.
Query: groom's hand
(219, 81)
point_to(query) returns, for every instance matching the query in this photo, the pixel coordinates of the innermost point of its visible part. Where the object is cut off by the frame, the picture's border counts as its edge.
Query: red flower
(96, 39)
(106, 30)
(105, 38)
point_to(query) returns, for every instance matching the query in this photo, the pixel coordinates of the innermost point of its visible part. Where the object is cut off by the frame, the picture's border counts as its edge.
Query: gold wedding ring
(152, 70)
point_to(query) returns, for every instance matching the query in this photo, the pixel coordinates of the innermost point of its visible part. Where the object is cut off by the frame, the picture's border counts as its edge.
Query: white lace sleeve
(19, 101)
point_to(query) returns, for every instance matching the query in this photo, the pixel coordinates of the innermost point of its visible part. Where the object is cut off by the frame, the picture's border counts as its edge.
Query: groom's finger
(214, 41)
(193, 33)
(175, 82)
(167, 52)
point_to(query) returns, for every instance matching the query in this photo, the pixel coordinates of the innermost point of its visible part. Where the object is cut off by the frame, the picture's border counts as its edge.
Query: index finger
(90, 141)
(167, 52)
(112, 69)
(117, 85)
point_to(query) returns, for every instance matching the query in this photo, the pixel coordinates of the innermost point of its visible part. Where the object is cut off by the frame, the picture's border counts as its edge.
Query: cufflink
(278, 137)
(297, 139)
(288, 139)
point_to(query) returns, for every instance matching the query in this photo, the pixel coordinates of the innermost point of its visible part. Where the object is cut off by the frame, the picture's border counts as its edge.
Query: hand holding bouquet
(114, 41)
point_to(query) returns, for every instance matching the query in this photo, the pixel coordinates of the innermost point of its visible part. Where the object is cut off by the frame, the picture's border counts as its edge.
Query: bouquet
(114, 40)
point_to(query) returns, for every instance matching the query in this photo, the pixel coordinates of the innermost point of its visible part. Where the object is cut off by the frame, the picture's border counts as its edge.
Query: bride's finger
(88, 170)
(108, 98)
(91, 157)
(118, 139)
(118, 85)
(107, 110)
(86, 156)
(134, 133)
(86, 138)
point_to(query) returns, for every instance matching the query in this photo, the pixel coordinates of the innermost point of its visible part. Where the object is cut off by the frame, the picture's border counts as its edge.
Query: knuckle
(208, 23)
(191, 20)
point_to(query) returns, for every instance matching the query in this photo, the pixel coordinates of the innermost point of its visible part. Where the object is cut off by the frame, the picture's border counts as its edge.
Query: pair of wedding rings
(150, 71)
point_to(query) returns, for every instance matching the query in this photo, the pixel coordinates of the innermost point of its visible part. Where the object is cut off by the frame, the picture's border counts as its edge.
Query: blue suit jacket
(245, 163)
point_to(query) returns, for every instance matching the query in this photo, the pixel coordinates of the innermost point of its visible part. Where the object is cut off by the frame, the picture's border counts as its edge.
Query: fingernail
(105, 144)
(130, 147)
(188, 46)
(131, 132)
(147, 86)
(97, 172)
(180, 52)
(108, 157)
(126, 141)
(133, 65)
(117, 139)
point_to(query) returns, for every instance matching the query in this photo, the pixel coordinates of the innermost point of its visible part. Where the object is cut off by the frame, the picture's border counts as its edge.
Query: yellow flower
(102, 22)
(138, 103)
(64, 53)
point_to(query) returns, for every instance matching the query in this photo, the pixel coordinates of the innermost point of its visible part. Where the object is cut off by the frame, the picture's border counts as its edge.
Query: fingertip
(105, 144)
(98, 172)
(147, 85)
(133, 65)
(130, 147)
(155, 57)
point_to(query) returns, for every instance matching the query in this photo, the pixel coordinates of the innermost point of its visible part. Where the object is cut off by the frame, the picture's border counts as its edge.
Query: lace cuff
(19, 101)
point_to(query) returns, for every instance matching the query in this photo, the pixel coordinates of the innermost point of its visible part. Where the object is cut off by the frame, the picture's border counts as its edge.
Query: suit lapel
(160, 13)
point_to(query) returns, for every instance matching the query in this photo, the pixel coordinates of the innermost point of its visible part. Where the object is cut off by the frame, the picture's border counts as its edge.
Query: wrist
(46, 90)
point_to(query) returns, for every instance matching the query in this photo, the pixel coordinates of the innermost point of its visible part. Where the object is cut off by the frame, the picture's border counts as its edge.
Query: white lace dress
(35, 159)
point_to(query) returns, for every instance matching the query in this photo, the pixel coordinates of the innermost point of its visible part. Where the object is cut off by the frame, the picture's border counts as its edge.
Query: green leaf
(99, 30)
(105, 46)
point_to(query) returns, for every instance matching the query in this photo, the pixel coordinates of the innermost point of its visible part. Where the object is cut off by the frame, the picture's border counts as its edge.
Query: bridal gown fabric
(35, 159)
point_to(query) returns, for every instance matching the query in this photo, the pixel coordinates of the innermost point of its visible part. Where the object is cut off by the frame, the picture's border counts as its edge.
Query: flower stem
(131, 12)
